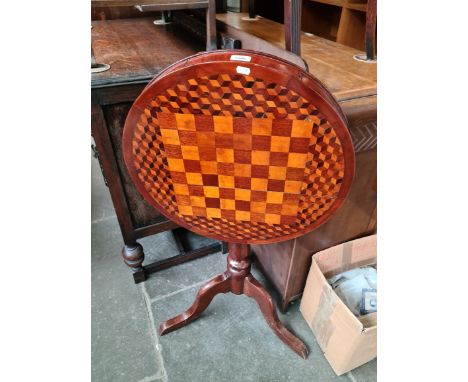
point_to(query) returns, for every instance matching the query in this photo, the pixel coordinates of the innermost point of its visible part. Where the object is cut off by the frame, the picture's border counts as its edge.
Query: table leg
(134, 256)
(220, 284)
(238, 280)
(254, 289)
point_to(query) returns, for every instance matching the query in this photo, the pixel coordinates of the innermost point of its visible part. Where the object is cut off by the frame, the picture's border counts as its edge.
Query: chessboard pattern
(238, 158)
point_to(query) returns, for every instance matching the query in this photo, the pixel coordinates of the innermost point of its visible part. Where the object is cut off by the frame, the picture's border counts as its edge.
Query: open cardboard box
(346, 340)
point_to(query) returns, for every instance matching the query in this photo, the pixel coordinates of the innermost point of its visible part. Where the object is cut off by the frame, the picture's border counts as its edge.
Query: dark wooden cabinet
(136, 50)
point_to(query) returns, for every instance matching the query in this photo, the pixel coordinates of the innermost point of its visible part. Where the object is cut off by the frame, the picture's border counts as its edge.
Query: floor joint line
(156, 299)
(154, 334)
(351, 376)
(103, 219)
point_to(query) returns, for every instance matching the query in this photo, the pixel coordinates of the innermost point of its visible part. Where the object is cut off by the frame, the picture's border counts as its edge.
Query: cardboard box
(346, 340)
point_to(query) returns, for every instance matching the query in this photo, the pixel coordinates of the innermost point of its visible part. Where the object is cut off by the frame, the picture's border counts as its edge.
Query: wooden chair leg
(255, 290)
(220, 284)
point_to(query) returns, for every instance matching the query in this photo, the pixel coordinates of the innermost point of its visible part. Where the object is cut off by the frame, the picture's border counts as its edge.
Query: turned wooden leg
(220, 284)
(254, 289)
(238, 280)
(134, 256)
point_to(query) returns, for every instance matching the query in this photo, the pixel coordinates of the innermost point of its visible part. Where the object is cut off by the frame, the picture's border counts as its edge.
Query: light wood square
(297, 160)
(225, 155)
(213, 213)
(260, 157)
(276, 172)
(274, 197)
(185, 122)
(211, 191)
(292, 187)
(261, 126)
(185, 210)
(258, 184)
(190, 152)
(280, 144)
(243, 215)
(241, 194)
(226, 181)
(301, 129)
(194, 178)
(222, 124)
(176, 164)
(180, 189)
(197, 201)
(272, 219)
(227, 204)
(170, 137)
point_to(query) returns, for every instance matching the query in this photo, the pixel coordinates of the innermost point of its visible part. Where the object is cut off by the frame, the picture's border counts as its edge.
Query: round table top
(239, 146)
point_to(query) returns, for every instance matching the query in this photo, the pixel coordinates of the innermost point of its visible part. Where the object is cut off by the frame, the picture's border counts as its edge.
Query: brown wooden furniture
(343, 21)
(371, 31)
(169, 5)
(353, 84)
(118, 43)
(292, 25)
(242, 147)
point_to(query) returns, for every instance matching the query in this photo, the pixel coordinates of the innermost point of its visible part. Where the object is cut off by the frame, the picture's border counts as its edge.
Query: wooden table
(170, 5)
(354, 85)
(137, 50)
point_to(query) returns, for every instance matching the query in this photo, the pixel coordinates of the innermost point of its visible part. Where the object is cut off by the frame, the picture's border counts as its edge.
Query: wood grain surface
(129, 46)
(136, 49)
(126, 3)
(331, 63)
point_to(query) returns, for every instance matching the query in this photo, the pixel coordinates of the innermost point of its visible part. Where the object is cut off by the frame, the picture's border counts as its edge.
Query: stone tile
(121, 345)
(101, 202)
(366, 372)
(231, 341)
(181, 276)
(197, 241)
(158, 247)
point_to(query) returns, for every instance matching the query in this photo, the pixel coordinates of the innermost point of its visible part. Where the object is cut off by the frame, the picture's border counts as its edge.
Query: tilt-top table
(242, 147)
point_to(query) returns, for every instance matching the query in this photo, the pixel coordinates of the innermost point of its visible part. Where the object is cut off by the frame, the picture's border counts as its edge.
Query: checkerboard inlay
(246, 172)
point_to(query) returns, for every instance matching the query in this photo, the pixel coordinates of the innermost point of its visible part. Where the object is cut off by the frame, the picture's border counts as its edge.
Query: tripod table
(242, 147)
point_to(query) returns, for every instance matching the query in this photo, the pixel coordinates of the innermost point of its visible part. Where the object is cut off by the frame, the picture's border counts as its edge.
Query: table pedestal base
(238, 280)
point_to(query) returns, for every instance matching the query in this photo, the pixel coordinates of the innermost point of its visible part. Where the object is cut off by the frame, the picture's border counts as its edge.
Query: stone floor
(230, 342)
